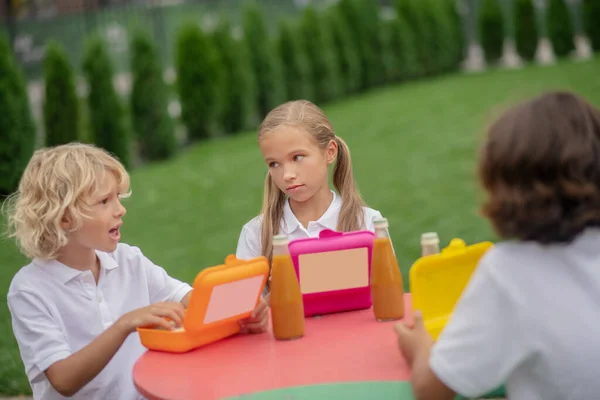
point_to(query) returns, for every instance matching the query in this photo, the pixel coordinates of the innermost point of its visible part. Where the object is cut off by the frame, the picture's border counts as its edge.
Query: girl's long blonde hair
(306, 115)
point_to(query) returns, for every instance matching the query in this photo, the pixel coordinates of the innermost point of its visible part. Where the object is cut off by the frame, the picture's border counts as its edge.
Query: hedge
(347, 53)
(526, 31)
(560, 27)
(238, 87)
(61, 104)
(17, 129)
(324, 65)
(154, 128)
(199, 81)
(107, 117)
(266, 66)
(291, 50)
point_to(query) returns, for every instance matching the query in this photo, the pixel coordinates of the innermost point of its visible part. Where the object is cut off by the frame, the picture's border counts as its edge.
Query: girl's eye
(104, 201)
(273, 164)
(298, 158)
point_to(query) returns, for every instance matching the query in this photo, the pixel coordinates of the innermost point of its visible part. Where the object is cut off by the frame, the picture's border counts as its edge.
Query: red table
(341, 347)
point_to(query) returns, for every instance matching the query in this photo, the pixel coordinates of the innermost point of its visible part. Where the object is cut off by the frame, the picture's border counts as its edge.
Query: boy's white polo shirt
(528, 319)
(57, 310)
(250, 243)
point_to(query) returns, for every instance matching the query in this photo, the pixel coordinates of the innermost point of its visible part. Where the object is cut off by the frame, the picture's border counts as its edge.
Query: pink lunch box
(334, 271)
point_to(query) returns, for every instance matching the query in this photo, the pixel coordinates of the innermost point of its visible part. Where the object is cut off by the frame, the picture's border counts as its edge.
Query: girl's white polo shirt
(250, 243)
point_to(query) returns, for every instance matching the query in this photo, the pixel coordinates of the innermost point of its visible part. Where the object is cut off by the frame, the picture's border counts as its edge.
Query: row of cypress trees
(558, 21)
(227, 84)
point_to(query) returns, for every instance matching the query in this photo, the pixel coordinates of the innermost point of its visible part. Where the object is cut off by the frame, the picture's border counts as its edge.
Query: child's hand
(258, 322)
(413, 340)
(154, 315)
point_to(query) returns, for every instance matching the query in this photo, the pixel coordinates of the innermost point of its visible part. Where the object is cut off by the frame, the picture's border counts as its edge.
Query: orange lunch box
(222, 296)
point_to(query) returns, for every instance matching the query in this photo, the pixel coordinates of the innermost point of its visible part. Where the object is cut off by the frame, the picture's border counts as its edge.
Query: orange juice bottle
(386, 280)
(287, 307)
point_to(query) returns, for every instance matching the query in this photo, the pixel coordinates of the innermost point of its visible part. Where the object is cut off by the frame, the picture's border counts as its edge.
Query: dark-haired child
(530, 315)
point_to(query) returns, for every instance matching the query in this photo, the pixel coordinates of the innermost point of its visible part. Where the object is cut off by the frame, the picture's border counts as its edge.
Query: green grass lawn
(413, 149)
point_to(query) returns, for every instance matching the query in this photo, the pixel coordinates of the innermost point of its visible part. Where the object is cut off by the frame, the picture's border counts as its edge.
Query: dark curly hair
(540, 167)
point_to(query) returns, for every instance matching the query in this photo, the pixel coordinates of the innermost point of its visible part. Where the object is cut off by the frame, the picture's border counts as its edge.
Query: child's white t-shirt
(250, 242)
(57, 310)
(530, 319)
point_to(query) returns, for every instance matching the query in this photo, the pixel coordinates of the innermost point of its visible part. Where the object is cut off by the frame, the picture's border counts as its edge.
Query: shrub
(414, 13)
(321, 56)
(61, 104)
(526, 35)
(560, 27)
(402, 62)
(438, 48)
(455, 26)
(265, 65)
(291, 49)
(347, 53)
(591, 16)
(374, 33)
(447, 47)
(491, 28)
(238, 88)
(107, 122)
(198, 81)
(17, 129)
(151, 122)
(350, 10)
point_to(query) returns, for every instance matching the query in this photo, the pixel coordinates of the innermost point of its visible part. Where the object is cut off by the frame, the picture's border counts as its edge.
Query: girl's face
(298, 166)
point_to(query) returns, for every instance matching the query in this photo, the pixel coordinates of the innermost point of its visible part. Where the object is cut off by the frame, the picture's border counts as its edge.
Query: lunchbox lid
(226, 292)
(437, 281)
(334, 261)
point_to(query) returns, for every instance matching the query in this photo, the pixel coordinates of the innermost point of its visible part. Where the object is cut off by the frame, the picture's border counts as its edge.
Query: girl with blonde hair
(299, 145)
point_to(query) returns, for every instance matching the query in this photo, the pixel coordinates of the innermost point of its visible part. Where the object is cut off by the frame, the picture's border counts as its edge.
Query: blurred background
(177, 88)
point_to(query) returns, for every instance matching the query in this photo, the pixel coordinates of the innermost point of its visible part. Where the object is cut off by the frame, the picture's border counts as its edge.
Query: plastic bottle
(387, 289)
(287, 307)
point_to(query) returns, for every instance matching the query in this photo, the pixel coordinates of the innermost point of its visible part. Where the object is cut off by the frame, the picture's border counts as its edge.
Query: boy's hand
(154, 315)
(413, 340)
(258, 322)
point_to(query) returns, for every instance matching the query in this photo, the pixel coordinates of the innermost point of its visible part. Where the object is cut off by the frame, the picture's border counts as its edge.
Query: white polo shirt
(57, 310)
(529, 318)
(250, 242)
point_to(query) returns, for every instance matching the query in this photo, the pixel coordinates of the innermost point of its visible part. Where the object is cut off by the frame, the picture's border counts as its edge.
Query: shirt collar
(328, 220)
(65, 274)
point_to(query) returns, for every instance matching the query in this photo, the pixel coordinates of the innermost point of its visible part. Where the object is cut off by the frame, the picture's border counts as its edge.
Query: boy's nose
(121, 210)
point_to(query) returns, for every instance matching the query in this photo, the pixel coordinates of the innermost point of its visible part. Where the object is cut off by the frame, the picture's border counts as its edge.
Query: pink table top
(342, 347)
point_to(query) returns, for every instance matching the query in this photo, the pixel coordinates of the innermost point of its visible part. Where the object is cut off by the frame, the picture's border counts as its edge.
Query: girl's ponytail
(351, 215)
(272, 212)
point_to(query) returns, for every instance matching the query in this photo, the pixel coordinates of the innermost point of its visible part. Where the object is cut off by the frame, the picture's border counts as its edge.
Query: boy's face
(102, 230)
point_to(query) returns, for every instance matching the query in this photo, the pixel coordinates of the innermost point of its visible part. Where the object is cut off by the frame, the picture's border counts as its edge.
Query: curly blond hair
(57, 180)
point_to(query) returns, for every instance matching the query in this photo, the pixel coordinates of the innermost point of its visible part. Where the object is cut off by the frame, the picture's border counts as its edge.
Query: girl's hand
(413, 340)
(166, 315)
(258, 322)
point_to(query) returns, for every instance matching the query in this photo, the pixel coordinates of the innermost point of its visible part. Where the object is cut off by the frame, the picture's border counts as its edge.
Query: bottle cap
(429, 237)
(280, 240)
(381, 223)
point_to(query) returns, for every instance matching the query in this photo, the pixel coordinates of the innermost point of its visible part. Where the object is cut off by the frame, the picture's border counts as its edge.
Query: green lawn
(414, 158)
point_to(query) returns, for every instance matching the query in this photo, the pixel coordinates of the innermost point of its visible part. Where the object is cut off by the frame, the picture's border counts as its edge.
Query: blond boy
(76, 306)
